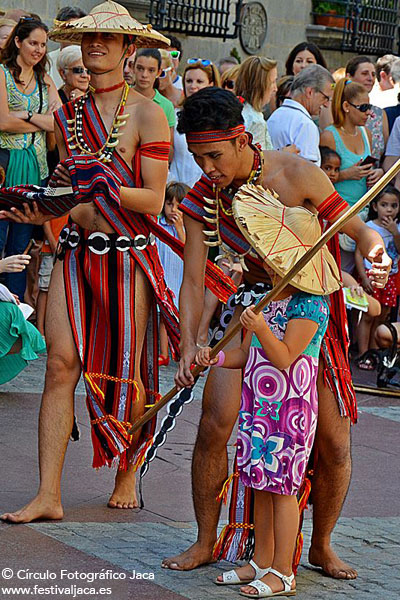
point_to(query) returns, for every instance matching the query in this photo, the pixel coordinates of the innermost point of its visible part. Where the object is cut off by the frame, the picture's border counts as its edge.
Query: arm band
(331, 207)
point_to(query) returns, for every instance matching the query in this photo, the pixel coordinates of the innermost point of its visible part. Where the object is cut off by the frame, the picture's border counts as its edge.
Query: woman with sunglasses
(228, 79)
(74, 75)
(362, 70)
(350, 138)
(28, 98)
(166, 79)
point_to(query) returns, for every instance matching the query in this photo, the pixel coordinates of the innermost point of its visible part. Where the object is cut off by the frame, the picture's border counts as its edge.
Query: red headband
(215, 135)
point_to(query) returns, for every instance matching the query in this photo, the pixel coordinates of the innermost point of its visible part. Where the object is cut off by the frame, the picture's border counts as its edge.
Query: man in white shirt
(385, 91)
(292, 122)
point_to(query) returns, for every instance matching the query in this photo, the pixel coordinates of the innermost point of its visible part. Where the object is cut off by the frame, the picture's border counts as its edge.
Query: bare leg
(221, 403)
(163, 339)
(331, 482)
(383, 337)
(41, 303)
(385, 310)
(363, 333)
(57, 408)
(264, 539)
(124, 494)
(285, 526)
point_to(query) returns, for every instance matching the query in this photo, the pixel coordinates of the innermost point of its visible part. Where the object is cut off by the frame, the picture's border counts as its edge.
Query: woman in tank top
(28, 98)
(350, 138)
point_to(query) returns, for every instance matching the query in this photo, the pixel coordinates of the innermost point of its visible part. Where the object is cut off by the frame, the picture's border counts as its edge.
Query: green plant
(235, 53)
(322, 8)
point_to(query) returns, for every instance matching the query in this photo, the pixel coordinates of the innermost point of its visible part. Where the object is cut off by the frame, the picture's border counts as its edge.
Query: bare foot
(193, 557)
(124, 494)
(330, 563)
(274, 582)
(38, 508)
(245, 573)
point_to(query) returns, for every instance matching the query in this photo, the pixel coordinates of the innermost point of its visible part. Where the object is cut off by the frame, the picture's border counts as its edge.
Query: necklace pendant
(209, 233)
(211, 201)
(112, 144)
(211, 244)
(210, 220)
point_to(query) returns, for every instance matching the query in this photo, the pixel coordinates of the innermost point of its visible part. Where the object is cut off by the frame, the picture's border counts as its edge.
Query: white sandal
(232, 578)
(264, 591)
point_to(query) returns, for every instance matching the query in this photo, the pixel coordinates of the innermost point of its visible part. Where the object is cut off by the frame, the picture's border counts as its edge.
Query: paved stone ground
(94, 539)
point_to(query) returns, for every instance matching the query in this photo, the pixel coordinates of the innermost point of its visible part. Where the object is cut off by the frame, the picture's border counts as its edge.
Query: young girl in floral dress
(277, 423)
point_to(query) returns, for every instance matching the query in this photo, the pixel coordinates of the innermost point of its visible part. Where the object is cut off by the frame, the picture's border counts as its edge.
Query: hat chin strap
(110, 70)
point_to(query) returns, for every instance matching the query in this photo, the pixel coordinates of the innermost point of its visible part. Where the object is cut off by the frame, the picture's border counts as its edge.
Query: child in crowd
(383, 217)
(171, 219)
(52, 230)
(278, 415)
(330, 163)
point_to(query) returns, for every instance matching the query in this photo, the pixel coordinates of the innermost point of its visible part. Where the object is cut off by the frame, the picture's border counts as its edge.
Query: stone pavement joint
(142, 546)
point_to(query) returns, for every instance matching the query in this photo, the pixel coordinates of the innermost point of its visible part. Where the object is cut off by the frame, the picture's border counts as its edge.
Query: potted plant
(330, 14)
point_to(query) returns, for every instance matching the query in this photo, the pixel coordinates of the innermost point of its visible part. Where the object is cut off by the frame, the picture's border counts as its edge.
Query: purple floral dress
(279, 409)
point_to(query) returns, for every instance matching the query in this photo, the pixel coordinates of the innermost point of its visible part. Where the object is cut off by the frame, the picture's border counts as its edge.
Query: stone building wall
(287, 26)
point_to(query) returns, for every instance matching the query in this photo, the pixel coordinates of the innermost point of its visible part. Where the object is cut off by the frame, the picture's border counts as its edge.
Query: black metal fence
(369, 26)
(208, 18)
(372, 26)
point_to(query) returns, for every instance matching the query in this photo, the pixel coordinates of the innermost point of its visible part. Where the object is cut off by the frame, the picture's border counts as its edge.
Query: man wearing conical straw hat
(213, 123)
(108, 282)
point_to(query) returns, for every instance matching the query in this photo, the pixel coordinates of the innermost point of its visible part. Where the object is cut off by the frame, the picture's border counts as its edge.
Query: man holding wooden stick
(213, 124)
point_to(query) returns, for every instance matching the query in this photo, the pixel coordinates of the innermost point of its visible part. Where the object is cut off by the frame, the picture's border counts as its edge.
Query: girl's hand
(251, 321)
(357, 290)
(381, 265)
(357, 171)
(30, 215)
(374, 176)
(390, 224)
(203, 358)
(17, 300)
(55, 105)
(367, 285)
(14, 264)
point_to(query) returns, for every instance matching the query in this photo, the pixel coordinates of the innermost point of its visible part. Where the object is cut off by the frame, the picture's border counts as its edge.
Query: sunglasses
(229, 84)
(175, 53)
(203, 61)
(361, 107)
(78, 70)
(164, 72)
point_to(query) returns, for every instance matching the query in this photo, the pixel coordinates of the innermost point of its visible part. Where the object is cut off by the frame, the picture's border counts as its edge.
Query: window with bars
(369, 26)
(208, 18)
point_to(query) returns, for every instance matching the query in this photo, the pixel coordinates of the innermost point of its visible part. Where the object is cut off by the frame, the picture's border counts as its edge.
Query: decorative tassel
(140, 456)
(223, 495)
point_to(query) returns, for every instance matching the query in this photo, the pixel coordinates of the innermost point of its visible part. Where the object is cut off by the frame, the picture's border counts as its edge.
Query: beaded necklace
(75, 127)
(215, 204)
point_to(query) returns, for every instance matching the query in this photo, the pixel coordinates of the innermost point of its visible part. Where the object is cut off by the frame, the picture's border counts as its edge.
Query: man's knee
(333, 445)
(61, 369)
(215, 429)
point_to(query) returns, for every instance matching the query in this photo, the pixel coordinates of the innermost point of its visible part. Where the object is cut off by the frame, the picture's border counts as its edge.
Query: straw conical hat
(108, 17)
(281, 235)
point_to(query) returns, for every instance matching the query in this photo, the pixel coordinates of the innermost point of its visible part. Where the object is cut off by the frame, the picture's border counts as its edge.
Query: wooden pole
(325, 237)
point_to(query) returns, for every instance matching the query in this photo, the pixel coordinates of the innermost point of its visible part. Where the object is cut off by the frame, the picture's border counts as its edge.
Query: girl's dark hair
(9, 53)
(389, 189)
(326, 152)
(208, 109)
(175, 189)
(149, 53)
(315, 51)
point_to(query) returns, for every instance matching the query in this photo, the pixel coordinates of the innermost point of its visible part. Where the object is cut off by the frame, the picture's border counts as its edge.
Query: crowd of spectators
(348, 117)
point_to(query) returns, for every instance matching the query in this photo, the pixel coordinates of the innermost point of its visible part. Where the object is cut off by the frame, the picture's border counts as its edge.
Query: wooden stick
(377, 391)
(325, 237)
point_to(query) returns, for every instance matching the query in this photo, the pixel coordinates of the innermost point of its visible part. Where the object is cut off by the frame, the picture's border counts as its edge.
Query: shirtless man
(103, 54)
(212, 120)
